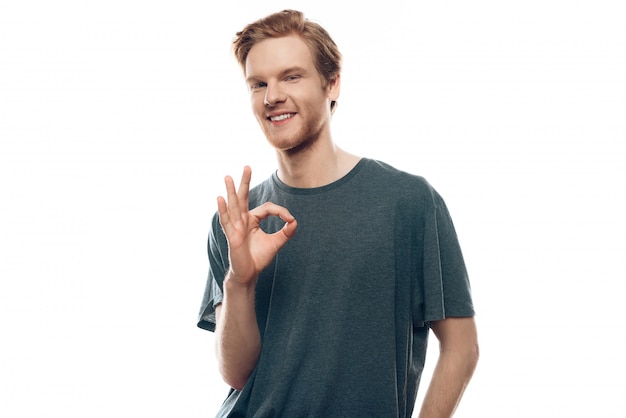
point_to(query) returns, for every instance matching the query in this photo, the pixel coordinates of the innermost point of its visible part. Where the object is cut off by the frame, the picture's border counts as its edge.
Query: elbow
(236, 371)
(235, 384)
(466, 358)
(235, 380)
(475, 355)
(472, 356)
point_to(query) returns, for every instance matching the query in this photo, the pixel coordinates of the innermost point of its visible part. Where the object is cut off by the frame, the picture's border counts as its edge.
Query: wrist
(234, 283)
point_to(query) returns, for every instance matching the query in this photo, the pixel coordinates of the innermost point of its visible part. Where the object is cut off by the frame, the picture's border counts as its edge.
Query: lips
(281, 117)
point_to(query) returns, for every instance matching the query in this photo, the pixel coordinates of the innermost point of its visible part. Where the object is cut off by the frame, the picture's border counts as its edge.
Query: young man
(326, 279)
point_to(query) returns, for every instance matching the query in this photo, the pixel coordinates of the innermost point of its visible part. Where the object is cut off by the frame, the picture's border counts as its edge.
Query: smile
(279, 118)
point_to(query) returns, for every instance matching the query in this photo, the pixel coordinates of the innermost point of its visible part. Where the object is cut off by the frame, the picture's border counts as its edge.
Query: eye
(258, 85)
(292, 77)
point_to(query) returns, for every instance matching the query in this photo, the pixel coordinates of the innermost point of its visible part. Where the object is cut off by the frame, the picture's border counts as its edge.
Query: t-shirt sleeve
(217, 249)
(446, 288)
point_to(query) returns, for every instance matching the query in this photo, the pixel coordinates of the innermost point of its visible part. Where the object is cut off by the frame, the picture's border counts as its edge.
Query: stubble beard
(300, 142)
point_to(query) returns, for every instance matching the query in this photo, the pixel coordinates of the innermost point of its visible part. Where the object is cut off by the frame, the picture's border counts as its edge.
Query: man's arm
(238, 342)
(458, 355)
(250, 250)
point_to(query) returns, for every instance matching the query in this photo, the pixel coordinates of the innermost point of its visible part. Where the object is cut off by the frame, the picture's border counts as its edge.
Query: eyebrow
(294, 69)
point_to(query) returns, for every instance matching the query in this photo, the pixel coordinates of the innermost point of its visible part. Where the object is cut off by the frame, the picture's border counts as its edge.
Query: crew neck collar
(321, 189)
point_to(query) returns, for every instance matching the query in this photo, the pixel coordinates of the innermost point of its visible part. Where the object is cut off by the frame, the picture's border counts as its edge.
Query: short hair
(326, 55)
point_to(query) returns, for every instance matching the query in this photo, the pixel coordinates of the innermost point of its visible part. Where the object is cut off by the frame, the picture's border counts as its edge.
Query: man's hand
(250, 248)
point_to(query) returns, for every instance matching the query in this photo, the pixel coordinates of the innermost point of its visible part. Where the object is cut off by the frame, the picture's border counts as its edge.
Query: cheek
(257, 107)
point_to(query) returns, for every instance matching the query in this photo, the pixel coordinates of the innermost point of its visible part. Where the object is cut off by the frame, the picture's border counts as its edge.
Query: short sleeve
(217, 249)
(445, 290)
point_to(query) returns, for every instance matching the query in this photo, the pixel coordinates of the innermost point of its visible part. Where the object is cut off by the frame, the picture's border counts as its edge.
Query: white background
(119, 119)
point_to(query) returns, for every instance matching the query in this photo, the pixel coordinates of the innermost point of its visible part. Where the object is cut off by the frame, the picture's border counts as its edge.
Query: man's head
(326, 55)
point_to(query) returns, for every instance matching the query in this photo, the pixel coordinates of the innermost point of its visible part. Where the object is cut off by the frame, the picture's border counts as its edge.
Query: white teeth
(281, 117)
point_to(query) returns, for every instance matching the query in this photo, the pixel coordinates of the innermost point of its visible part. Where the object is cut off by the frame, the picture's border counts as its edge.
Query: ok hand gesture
(250, 248)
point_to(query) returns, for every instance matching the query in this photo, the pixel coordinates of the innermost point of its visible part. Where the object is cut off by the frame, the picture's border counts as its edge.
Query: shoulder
(390, 177)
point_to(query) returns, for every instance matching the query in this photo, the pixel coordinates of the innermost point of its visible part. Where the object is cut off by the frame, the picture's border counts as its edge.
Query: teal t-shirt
(344, 308)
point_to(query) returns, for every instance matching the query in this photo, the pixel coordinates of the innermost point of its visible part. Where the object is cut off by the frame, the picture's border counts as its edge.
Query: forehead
(276, 54)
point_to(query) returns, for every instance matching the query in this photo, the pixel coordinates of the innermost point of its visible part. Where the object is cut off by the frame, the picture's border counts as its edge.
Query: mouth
(281, 117)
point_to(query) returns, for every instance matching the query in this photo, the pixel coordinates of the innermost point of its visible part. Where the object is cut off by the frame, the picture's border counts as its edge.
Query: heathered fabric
(344, 309)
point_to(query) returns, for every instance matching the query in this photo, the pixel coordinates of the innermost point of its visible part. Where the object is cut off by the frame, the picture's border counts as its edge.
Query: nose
(273, 95)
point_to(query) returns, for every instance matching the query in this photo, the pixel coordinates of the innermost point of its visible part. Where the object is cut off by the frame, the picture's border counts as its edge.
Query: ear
(334, 87)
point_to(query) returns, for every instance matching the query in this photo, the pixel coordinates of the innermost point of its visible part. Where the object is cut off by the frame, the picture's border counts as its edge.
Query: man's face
(289, 97)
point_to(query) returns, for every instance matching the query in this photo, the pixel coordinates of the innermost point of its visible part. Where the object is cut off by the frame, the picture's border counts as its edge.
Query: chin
(295, 144)
(284, 144)
(290, 147)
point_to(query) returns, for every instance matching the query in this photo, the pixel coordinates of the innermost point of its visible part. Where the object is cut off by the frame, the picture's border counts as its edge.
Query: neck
(315, 167)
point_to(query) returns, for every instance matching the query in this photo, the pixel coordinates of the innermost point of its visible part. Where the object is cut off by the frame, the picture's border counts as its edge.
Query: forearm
(237, 334)
(452, 373)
